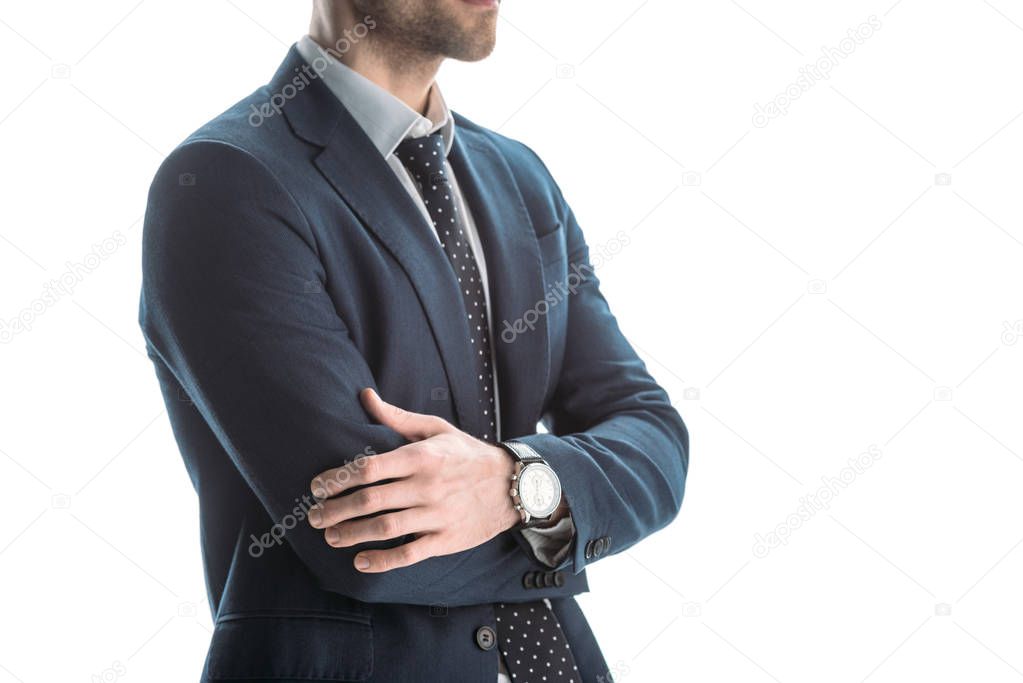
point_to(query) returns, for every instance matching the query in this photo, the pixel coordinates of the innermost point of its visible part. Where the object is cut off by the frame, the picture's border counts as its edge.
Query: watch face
(539, 490)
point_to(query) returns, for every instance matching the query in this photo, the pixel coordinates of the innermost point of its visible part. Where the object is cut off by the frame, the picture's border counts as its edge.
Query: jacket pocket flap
(552, 245)
(322, 647)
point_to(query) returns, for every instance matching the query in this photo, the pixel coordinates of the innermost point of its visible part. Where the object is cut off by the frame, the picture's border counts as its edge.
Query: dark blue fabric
(284, 269)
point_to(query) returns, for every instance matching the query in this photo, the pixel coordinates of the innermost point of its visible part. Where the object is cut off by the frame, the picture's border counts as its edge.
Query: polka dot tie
(533, 645)
(424, 158)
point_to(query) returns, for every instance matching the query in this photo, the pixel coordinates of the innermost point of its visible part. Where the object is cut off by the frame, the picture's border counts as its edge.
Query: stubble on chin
(411, 30)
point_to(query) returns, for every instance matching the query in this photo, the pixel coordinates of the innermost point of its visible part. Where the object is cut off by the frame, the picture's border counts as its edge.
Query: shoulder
(225, 184)
(247, 143)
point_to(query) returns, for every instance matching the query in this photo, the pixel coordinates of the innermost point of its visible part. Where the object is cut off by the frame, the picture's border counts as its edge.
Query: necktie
(424, 158)
(532, 643)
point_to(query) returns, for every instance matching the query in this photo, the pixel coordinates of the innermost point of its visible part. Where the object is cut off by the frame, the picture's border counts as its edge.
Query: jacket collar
(355, 168)
(382, 116)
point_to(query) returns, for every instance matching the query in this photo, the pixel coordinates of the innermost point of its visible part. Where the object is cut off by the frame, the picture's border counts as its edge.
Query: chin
(476, 41)
(474, 55)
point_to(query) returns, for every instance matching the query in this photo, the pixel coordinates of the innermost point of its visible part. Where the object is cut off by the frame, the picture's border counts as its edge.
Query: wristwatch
(535, 489)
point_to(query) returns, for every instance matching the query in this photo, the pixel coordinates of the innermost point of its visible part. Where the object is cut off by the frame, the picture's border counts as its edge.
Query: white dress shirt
(387, 121)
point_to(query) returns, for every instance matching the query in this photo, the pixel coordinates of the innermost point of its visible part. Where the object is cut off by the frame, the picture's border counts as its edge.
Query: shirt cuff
(551, 544)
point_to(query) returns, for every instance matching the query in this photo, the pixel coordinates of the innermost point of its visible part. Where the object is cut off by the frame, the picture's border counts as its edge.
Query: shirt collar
(385, 118)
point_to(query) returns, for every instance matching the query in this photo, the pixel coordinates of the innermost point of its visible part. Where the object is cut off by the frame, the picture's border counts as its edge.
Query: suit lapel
(367, 184)
(515, 276)
(355, 169)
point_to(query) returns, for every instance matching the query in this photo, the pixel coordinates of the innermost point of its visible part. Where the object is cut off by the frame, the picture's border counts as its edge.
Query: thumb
(413, 426)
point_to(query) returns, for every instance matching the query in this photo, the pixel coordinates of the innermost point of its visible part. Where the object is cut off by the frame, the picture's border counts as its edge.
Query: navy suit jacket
(286, 268)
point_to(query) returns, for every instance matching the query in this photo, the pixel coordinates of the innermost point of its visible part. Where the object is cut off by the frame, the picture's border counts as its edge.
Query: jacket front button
(486, 638)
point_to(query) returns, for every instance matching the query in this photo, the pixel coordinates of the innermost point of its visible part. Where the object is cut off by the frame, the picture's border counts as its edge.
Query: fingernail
(333, 535)
(361, 562)
(315, 517)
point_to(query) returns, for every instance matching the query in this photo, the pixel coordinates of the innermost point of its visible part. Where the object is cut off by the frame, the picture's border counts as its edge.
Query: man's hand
(448, 488)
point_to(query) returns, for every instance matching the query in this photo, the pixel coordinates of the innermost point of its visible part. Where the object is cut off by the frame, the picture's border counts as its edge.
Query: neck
(399, 70)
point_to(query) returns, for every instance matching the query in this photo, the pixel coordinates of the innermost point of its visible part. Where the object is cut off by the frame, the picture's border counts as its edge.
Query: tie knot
(424, 158)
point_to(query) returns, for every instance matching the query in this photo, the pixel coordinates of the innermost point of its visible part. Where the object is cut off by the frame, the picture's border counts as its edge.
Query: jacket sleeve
(234, 304)
(618, 446)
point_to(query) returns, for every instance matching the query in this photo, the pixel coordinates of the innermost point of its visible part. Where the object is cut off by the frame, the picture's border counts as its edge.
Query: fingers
(413, 426)
(391, 465)
(423, 548)
(363, 470)
(380, 528)
(370, 500)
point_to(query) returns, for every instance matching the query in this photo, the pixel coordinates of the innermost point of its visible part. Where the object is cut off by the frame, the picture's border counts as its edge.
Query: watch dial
(539, 490)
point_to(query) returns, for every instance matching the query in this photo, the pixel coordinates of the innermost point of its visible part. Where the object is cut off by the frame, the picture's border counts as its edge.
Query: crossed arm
(271, 368)
(447, 488)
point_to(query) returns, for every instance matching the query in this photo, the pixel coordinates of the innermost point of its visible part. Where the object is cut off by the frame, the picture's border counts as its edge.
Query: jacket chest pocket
(325, 647)
(552, 246)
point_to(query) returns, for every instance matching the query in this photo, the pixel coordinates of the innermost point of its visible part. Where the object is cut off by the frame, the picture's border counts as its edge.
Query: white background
(805, 290)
